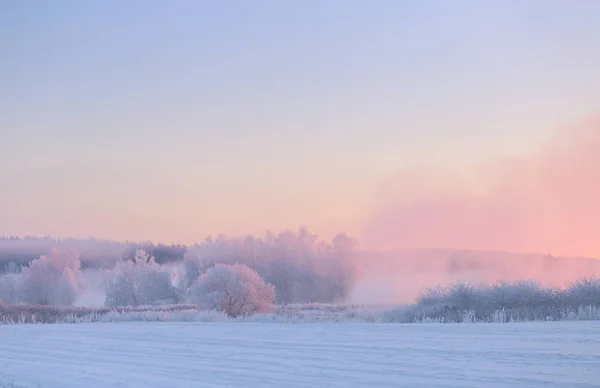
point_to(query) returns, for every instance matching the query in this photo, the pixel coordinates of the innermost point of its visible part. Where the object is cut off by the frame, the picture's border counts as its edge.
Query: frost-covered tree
(300, 266)
(120, 288)
(140, 281)
(196, 261)
(12, 268)
(233, 289)
(51, 280)
(9, 288)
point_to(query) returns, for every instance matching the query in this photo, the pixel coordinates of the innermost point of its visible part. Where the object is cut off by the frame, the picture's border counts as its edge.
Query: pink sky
(546, 202)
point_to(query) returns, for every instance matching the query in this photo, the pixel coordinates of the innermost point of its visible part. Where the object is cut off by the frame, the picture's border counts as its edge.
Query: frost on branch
(233, 289)
(51, 280)
(9, 288)
(140, 281)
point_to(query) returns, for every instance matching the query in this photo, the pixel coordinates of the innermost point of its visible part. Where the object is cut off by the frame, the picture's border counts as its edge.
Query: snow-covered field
(233, 354)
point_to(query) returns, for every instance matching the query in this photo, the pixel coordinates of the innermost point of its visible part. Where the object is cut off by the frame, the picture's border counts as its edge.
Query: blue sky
(171, 120)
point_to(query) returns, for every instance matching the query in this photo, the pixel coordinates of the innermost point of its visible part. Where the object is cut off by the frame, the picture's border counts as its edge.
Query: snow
(234, 354)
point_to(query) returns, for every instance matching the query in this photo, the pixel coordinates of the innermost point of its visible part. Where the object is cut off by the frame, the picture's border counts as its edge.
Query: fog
(525, 218)
(547, 202)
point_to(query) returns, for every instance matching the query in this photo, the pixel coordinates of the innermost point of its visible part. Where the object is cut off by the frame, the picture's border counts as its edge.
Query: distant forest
(94, 253)
(99, 253)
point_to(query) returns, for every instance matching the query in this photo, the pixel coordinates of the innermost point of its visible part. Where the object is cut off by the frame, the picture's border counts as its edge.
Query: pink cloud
(548, 202)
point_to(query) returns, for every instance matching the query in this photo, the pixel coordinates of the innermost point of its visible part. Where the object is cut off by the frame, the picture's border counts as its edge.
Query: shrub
(525, 300)
(23, 313)
(584, 291)
(233, 289)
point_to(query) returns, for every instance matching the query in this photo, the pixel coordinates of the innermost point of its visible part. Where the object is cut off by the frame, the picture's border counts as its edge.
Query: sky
(169, 121)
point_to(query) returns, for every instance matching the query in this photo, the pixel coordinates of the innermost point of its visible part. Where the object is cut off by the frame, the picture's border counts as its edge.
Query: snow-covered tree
(120, 288)
(233, 289)
(51, 280)
(9, 288)
(299, 266)
(140, 281)
(196, 261)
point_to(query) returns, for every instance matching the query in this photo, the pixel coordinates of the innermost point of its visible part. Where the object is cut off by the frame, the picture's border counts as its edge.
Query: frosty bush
(140, 281)
(23, 313)
(584, 291)
(525, 300)
(51, 280)
(233, 289)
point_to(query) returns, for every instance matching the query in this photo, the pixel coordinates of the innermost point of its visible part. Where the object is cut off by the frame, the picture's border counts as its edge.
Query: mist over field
(531, 217)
